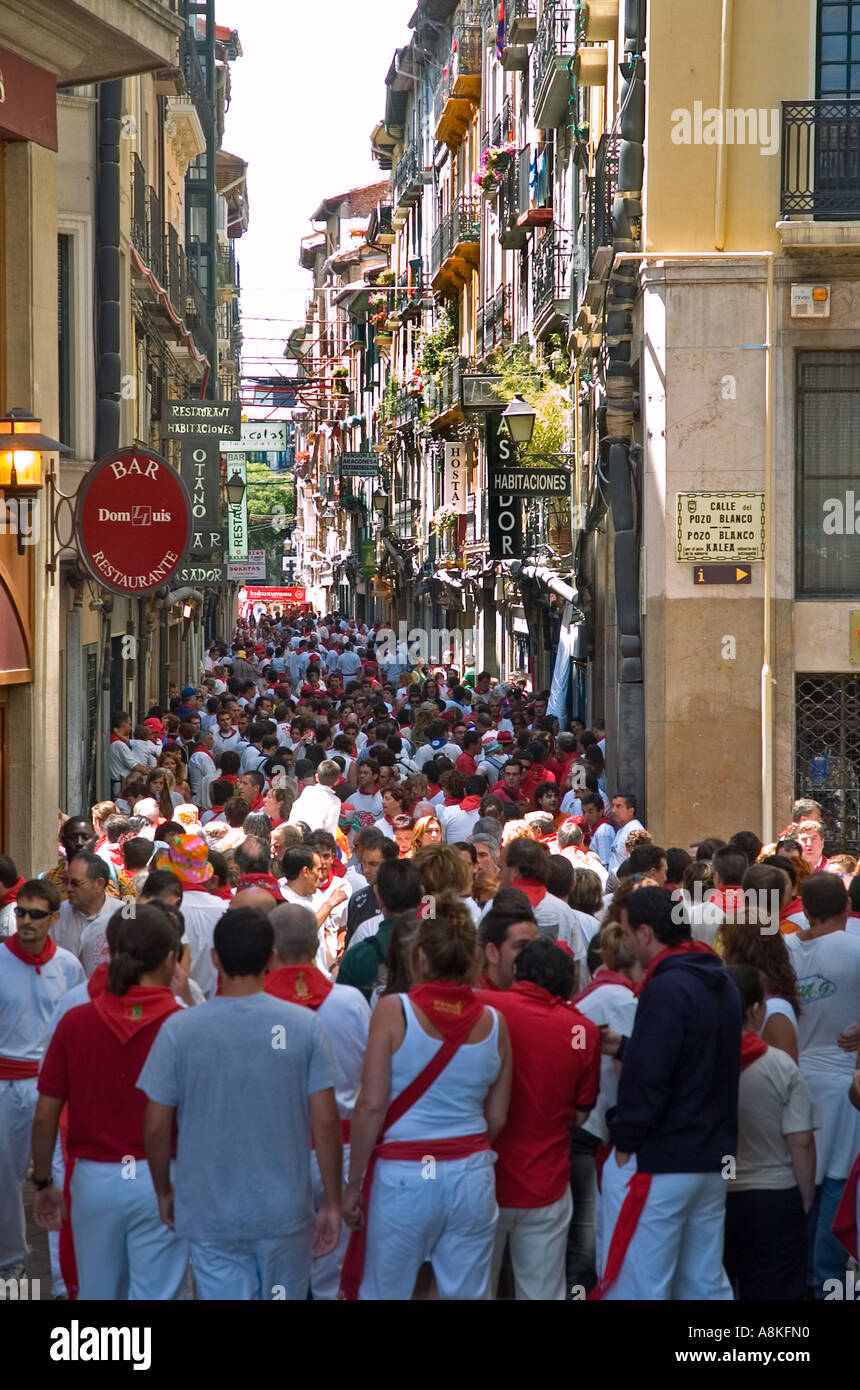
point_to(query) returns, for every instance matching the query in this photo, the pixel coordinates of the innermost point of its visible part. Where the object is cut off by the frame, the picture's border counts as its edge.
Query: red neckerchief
(484, 982)
(796, 905)
(534, 891)
(752, 1047)
(451, 801)
(48, 951)
(451, 1008)
(115, 738)
(603, 821)
(728, 899)
(470, 803)
(299, 984)
(257, 804)
(228, 777)
(11, 894)
(433, 788)
(324, 887)
(604, 977)
(225, 893)
(140, 1006)
(682, 949)
(338, 870)
(97, 982)
(528, 990)
(268, 882)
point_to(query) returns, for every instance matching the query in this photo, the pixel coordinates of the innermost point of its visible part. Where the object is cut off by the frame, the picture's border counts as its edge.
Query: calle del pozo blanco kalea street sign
(133, 521)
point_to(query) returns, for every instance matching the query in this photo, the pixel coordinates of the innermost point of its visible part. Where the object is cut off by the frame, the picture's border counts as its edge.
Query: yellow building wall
(772, 58)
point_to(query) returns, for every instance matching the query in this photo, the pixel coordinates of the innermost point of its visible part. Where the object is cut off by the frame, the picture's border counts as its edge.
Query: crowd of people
(364, 984)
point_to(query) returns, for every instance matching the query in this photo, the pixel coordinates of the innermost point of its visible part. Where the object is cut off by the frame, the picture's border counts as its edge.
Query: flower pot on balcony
(601, 21)
(591, 66)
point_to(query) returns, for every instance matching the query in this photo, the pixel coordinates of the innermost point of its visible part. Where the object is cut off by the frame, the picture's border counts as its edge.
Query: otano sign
(133, 521)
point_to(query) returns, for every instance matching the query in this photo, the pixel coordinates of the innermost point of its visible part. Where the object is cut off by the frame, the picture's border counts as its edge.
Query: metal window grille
(827, 755)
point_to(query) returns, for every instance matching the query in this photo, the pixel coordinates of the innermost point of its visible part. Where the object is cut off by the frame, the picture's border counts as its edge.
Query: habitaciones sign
(133, 521)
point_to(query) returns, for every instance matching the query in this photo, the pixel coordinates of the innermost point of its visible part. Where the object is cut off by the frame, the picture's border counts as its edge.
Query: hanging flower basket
(495, 163)
(443, 520)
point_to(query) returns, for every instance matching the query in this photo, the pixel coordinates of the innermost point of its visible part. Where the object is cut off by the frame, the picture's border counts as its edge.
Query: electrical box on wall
(810, 301)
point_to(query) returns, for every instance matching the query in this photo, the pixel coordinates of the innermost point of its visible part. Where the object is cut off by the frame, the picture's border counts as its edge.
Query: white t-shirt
(201, 911)
(828, 975)
(614, 1005)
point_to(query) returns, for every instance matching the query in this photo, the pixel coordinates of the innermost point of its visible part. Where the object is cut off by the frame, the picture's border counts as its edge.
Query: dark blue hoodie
(678, 1091)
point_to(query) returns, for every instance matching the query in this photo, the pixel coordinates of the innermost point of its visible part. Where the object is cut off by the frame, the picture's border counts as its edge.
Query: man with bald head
(345, 1015)
(253, 897)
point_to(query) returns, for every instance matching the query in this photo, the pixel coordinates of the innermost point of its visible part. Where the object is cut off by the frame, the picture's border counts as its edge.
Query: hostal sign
(133, 521)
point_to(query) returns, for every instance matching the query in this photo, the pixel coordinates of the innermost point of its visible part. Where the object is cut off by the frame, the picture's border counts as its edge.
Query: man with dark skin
(78, 833)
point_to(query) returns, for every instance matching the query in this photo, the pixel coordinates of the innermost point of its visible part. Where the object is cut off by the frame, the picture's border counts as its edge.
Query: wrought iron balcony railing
(408, 177)
(521, 21)
(821, 160)
(551, 271)
(139, 218)
(195, 80)
(555, 39)
(601, 195)
(460, 227)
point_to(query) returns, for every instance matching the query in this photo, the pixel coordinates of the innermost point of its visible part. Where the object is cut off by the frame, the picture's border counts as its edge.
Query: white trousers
(538, 1240)
(677, 1248)
(325, 1273)
(444, 1212)
(17, 1108)
(243, 1270)
(122, 1248)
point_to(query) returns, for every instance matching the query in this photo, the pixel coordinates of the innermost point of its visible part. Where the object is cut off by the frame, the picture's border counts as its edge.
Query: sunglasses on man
(34, 913)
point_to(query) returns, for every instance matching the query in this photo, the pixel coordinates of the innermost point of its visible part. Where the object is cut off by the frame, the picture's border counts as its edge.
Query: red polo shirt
(553, 1078)
(87, 1065)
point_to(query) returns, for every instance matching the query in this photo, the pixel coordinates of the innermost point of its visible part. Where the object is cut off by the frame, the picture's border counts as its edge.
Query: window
(64, 320)
(827, 754)
(828, 475)
(838, 49)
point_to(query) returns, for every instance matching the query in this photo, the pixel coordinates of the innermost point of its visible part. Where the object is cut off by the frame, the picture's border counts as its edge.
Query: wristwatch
(41, 1183)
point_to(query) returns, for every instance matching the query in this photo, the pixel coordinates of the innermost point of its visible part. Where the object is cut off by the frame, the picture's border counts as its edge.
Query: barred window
(827, 755)
(828, 475)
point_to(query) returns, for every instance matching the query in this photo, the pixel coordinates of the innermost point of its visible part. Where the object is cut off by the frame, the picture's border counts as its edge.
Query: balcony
(494, 322)
(820, 173)
(551, 283)
(443, 398)
(522, 22)
(385, 234)
(139, 221)
(175, 267)
(409, 181)
(601, 197)
(459, 94)
(195, 81)
(228, 274)
(514, 197)
(551, 66)
(456, 246)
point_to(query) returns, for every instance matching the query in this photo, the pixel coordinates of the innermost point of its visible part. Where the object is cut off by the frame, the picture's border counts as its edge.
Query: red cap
(505, 736)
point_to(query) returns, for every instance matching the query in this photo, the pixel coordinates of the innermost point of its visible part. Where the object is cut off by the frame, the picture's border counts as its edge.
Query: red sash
(17, 1069)
(628, 1219)
(752, 1047)
(603, 977)
(455, 1011)
(845, 1221)
(48, 951)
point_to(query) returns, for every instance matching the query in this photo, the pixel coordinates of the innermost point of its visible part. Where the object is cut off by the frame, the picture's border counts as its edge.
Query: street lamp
(21, 446)
(235, 489)
(380, 502)
(520, 419)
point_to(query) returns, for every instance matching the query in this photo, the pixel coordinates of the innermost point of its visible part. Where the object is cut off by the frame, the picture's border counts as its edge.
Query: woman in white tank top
(421, 1183)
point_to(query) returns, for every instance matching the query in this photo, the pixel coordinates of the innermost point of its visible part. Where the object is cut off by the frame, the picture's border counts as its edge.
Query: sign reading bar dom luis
(133, 521)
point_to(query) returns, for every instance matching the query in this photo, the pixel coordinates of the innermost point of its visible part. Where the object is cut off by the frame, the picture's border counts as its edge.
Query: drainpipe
(109, 371)
(721, 193)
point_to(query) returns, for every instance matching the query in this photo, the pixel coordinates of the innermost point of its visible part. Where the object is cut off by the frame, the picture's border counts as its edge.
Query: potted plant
(495, 162)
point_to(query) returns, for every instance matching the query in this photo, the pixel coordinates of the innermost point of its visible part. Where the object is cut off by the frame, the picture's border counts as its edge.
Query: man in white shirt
(318, 807)
(439, 744)
(87, 911)
(827, 963)
(623, 813)
(201, 764)
(302, 875)
(227, 738)
(349, 661)
(122, 760)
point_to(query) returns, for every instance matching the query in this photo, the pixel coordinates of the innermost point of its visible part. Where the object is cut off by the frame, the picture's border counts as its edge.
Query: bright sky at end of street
(305, 97)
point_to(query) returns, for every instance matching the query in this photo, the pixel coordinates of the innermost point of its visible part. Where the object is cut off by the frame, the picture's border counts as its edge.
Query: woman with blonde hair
(426, 831)
(435, 1089)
